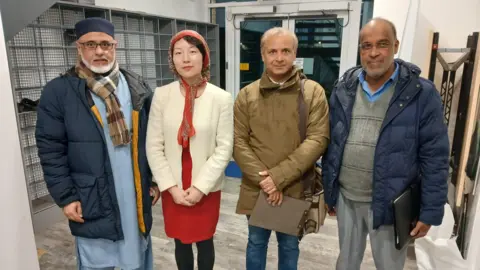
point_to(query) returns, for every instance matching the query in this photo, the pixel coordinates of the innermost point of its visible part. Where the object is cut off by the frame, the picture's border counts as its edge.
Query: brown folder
(288, 218)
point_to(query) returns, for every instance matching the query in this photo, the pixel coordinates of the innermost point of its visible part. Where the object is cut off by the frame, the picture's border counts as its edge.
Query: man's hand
(194, 195)
(421, 229)
(179, 196)
(275, 199)
(331, 213)
(267, 184)
(73, 212)
(155, 192)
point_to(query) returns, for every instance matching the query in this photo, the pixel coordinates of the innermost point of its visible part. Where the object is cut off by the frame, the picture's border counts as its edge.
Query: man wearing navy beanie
(90, 132)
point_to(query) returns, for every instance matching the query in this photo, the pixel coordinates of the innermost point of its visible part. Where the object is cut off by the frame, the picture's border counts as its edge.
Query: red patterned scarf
(187, 130)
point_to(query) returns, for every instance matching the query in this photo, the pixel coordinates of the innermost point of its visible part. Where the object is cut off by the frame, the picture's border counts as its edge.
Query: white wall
(17, 245)
(454, 20)
(404, 15)
(194, 10)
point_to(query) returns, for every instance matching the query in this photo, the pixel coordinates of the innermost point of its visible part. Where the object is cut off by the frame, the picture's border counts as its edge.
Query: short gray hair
(278, 31)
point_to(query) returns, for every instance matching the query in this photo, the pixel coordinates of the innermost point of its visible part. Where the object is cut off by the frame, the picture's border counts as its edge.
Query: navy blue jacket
(73, 154)
(412, 145)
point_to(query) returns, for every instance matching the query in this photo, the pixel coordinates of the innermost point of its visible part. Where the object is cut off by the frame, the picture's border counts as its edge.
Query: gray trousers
(355, 221)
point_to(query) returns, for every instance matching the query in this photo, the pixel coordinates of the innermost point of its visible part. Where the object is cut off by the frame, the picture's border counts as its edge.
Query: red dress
(190, 224)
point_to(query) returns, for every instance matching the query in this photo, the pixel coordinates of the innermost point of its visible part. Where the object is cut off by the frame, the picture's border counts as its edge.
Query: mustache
(80, 55)
(101, 58)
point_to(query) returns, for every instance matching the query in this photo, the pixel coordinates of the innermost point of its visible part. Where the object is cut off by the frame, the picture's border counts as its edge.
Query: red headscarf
(187, 130)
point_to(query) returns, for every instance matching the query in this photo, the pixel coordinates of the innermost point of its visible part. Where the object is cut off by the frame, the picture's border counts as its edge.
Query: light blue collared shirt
(373, 96)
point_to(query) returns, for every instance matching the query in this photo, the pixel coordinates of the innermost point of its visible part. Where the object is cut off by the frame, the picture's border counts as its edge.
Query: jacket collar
(139, 89)
(407, 87)
(406, 72)
(267, 85)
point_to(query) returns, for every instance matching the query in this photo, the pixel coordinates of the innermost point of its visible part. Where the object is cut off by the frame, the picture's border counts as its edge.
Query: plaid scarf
(187, 130)
(104, 87)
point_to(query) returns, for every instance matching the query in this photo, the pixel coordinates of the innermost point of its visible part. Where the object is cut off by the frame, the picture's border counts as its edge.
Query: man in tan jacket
(267, 146)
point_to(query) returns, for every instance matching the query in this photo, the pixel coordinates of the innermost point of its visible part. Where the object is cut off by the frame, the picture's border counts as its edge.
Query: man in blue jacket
(387, 132)
(90, 132)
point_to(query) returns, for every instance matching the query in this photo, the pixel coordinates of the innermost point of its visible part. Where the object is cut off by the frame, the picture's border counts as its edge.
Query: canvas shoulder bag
(312, 179)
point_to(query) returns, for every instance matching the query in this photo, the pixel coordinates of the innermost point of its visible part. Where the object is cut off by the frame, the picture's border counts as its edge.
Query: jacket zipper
(375, 154)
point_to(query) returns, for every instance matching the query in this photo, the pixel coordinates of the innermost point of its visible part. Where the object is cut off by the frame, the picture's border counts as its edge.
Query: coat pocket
(247, 198)
(90, 196)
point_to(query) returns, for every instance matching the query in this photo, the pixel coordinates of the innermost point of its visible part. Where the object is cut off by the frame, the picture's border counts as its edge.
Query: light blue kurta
(134, 252)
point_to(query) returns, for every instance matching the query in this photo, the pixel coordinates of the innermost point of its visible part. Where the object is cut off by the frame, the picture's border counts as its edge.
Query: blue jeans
(258, 238)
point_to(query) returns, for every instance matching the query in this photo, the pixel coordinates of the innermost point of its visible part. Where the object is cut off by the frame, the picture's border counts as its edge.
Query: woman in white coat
(189, 145)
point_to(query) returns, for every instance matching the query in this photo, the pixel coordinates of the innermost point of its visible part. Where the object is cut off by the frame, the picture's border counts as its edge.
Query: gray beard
(99, 70)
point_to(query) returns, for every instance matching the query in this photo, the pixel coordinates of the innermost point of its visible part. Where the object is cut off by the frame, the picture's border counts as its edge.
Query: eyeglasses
(379, 45)
(91, 45)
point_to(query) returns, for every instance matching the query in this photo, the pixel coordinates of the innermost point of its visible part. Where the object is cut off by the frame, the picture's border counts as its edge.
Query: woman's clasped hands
(188, 197)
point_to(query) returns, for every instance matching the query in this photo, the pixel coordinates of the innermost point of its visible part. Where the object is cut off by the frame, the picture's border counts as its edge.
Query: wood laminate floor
(56, 246)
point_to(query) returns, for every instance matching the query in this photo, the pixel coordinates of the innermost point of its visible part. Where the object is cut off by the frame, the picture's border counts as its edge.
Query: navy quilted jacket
(75, 161)
(413, 142)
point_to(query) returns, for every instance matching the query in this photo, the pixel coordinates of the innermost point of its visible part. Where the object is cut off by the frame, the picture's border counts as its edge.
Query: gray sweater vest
(356, 172)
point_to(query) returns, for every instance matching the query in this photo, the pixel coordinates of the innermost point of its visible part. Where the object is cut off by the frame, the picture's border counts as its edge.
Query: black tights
(205, 257)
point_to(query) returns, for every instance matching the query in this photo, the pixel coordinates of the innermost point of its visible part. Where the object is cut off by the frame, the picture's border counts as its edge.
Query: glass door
(319, 49)
(327, 34)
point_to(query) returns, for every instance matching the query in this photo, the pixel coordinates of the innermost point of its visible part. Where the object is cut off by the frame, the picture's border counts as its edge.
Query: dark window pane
(319, 44)
(251, 32)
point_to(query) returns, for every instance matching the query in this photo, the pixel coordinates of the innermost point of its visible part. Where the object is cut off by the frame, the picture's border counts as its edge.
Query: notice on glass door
(299, 62)
(306, 64)
(244, 66)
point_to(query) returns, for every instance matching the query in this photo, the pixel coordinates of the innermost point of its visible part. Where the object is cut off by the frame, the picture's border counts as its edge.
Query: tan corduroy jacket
(267, 136)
